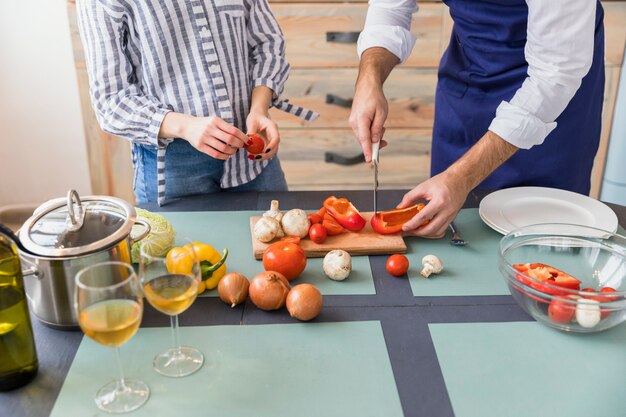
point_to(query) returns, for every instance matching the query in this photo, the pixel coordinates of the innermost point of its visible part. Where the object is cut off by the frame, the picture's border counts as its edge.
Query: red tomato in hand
(285, 257)
(318, 233)
(397, 265)
(561, 311)
(257, 144)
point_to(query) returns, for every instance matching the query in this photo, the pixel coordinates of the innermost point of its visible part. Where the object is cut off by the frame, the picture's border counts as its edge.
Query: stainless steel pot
(65, 235)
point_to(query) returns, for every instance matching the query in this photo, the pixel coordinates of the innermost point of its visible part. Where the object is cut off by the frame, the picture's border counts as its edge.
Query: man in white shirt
(516, 73)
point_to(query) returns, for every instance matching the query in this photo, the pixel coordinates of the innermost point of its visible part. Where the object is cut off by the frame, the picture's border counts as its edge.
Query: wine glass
(109, 307)
(170, 284)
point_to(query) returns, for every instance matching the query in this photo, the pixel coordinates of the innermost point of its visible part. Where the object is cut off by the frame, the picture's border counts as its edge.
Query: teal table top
(455, 344)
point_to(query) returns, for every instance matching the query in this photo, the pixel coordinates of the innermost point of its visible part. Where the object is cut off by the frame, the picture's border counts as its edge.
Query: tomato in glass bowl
(569, 277)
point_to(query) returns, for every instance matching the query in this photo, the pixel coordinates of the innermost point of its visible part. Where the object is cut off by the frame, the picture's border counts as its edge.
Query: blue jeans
(190, 172)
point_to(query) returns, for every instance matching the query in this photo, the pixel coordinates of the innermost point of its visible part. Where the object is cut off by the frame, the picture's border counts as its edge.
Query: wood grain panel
(110, 164)
(608, 111)
(411, 95)
(364, 242)
(305, 26)
(615, 31)
(403, 163)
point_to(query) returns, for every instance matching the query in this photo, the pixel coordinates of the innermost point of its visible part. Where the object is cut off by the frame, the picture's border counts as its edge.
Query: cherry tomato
(314, 218)
(609, 289)
(561, 311)
(318, 233)
(285, 257)
(604, 313)
(257, 145)
(397, 265)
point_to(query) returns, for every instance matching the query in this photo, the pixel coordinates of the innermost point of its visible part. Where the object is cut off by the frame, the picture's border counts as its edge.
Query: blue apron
(484, 65)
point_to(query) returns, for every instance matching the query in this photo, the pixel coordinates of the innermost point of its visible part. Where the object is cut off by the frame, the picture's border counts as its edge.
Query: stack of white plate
(512, 208)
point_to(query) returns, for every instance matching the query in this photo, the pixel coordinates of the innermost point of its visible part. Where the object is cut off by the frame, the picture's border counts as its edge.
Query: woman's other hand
(210, 135)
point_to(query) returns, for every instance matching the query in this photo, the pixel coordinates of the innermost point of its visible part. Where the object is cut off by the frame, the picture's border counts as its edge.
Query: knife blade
(375, 149)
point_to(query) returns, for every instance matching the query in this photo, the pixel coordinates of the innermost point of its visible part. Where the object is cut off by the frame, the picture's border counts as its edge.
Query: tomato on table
(285, 257)
(397, 265)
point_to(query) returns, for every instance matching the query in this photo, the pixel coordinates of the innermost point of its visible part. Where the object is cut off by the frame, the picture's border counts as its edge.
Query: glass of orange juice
(170, 284)
(109, 305)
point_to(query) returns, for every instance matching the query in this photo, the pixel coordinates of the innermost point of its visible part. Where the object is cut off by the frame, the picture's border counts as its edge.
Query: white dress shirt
(559, 52)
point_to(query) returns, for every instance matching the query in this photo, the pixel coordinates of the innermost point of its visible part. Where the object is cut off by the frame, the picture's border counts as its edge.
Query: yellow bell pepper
(212, 263)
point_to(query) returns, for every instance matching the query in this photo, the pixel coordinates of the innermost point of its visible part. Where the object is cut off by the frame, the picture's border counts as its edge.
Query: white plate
(511, 208)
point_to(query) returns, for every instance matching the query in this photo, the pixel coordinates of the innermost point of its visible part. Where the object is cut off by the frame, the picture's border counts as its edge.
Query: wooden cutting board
(365, 242)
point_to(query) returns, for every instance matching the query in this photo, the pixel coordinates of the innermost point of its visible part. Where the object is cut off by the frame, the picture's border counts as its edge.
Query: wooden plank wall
(321, 68)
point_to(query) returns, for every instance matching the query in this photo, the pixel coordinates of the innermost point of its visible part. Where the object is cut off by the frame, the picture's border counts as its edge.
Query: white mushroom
(588, 313)
(337, 264)
(296, 223)
(432, 265)
(274, 211)
(266, 229)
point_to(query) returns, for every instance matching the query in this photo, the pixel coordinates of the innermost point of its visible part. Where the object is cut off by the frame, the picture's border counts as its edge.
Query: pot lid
(75, 226)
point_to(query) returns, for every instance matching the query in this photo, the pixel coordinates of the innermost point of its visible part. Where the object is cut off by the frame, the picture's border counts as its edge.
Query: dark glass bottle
(18, 357)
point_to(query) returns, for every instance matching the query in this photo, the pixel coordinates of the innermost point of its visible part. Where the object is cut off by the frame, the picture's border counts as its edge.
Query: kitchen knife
(375, 148)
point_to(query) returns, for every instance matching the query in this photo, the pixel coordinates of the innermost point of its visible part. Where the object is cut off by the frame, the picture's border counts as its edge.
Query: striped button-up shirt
(198, 57)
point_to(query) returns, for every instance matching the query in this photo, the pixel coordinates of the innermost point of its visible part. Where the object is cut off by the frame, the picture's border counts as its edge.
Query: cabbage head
(160, 239)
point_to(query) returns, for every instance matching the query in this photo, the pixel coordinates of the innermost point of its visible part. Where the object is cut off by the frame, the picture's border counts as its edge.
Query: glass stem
(121, 385)
(175, 338)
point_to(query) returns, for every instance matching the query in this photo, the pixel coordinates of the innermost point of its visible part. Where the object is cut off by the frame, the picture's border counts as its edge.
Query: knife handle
(375, 149)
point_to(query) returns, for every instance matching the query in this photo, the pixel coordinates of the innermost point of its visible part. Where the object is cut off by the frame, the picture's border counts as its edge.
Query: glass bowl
(542, 264)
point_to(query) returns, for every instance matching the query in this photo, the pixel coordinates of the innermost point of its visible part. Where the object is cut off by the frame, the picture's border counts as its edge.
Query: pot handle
(142, 234)
(31, 269)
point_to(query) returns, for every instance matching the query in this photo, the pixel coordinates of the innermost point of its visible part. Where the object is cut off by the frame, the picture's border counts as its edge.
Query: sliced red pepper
(331, 225)
(545, 278)
(387, 222)
(345, 213)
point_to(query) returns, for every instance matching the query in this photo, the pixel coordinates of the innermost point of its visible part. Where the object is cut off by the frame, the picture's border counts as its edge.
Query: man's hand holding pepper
(446, 193)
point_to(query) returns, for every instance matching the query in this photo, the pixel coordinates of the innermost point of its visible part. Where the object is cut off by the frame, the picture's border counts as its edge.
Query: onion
(233, 288)
(268, 290)
(304, 302)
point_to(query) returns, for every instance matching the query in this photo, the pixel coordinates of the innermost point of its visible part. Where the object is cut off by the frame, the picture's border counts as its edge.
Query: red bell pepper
(345, 213)
(537, 275)
(387, 222)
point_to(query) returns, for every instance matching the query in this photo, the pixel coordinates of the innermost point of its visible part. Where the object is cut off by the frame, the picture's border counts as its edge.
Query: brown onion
(304, 302)
(268, 290)
(233, 288)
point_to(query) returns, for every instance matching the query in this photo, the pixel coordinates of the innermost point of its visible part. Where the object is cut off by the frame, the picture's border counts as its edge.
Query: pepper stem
(207, 268)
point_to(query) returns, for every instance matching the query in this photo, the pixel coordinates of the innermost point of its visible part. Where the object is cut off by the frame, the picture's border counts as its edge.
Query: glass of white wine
(109, 305)
(170, 284)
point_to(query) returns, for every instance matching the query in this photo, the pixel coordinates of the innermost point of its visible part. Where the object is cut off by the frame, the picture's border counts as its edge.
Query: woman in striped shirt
(182, 80)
